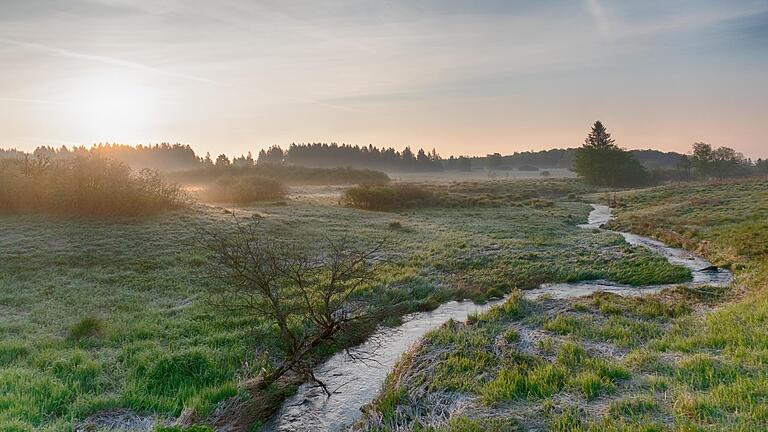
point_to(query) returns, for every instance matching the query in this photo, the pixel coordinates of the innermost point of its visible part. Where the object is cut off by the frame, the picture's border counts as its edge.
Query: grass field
(687, 360)
(97, 315)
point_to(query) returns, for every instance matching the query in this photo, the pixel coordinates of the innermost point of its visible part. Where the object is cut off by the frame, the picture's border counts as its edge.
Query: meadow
(684, 359)
(111, 316)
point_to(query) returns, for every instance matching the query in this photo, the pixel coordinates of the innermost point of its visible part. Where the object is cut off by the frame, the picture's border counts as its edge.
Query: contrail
(102, 59)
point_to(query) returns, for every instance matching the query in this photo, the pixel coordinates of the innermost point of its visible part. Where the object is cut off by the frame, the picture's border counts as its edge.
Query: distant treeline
(179, 157)
(389, 159)
(164, 156)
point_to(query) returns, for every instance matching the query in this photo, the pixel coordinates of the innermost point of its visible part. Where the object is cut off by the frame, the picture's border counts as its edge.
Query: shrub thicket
(83, 186)
(244, 190)
(384, 197)
(296, 175)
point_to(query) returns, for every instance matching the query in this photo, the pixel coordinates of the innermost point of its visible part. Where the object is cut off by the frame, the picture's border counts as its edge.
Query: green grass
(722, 378)
(463, 424)
(103, 314)
(660, 366)
(634, 407)
(517, 382)
(88, 327)
(621, 330)
(590, 384)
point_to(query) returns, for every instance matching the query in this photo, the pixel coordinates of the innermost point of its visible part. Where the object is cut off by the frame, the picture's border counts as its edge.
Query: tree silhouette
(311, 296)
(599, 138)
(601, 162)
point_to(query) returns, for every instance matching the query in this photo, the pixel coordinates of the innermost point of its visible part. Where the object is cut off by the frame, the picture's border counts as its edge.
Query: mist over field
(396, 216)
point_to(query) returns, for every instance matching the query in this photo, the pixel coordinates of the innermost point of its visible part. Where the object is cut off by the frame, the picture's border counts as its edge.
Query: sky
(463, 77)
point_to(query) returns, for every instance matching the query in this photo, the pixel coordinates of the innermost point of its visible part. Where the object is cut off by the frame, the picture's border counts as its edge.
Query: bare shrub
(311, 297)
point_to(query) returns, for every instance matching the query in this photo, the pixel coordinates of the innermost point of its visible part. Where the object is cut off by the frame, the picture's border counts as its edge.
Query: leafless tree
(310, 296)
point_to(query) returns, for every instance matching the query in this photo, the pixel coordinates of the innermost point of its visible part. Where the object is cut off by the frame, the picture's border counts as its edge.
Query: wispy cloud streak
(600, 17)
(31, 101)
(102, 59)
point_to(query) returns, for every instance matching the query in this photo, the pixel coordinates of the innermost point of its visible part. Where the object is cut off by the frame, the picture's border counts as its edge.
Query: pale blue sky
(466, 77)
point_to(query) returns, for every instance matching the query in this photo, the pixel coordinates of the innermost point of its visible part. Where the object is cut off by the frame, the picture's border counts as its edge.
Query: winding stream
(358, 383)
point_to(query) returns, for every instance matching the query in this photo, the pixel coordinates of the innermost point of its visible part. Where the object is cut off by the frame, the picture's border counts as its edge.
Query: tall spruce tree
(602, 163)
(599, 138)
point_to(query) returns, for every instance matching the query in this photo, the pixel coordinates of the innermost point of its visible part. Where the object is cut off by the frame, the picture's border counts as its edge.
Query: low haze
(501, 76)
(383, 216)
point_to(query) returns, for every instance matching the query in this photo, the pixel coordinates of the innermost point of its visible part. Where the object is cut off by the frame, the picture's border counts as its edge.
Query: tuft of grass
(514, 308)
(459, 372)
(31, 396)
(607, 369)
(624, 331)
(87, 327)
(591, 385)
(571, 355)
(172, 373)
(703, 372)
(464, 424)
(511, 336)
(569, 420)
(11, 351)
(545, 380)
(194, 428)
(634, 407)
(387, 404)
(516, 382)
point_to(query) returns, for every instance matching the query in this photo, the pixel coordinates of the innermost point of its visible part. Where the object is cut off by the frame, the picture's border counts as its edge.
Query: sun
(110, 108)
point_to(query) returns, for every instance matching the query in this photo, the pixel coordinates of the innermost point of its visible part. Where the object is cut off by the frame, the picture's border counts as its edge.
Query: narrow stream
(358, 383)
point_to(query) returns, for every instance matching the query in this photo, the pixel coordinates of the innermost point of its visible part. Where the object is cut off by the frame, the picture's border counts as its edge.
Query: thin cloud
(31, 101)
(102, 59)
(600, 17)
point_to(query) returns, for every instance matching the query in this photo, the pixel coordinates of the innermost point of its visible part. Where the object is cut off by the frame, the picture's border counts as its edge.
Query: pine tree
(599, 138)
(601, 162)
(262, 158)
